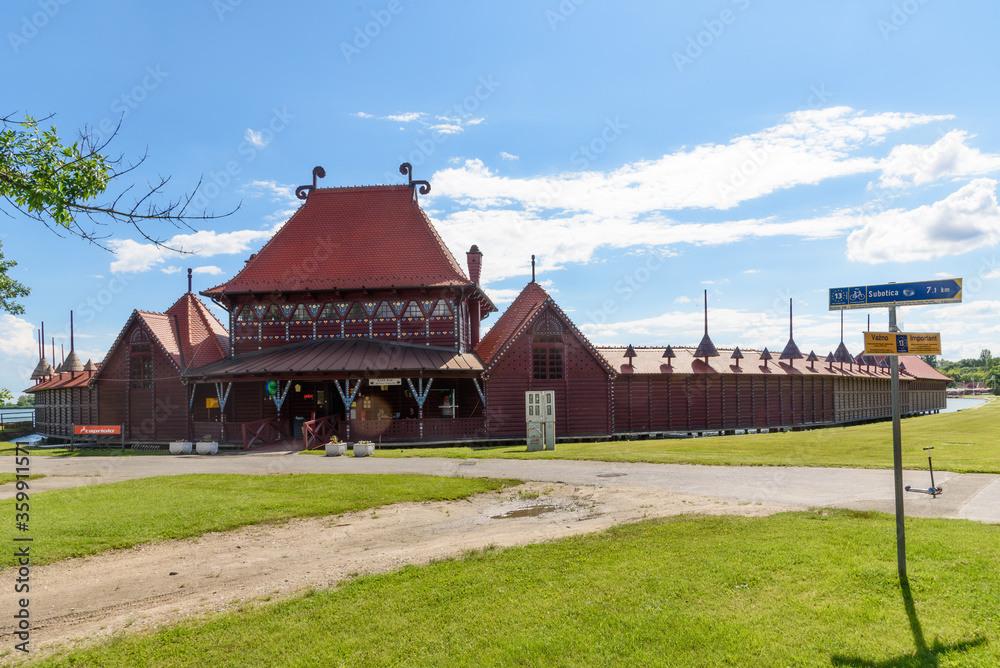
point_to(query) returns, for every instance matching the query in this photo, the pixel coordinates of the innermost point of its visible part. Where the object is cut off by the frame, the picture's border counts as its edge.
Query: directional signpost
(946, 291)
(894, 343)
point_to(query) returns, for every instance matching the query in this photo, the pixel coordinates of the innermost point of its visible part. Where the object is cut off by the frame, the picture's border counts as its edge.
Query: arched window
(547, 350)
(140, 361)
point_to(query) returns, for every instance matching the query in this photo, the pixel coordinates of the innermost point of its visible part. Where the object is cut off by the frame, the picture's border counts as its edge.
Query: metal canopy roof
(338, 358)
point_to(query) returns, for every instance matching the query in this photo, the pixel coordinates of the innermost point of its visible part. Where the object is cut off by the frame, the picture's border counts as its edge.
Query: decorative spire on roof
(630, 353)
(830, 359)
(842, 355)
(902, 368)
(791, 351)
(706, 348)
(406, 169)
(812, 359)
(72, 362)
(302, 192)
(90, 366)
(669, 354)
(766, 355)
(532, 267)
(737, 355)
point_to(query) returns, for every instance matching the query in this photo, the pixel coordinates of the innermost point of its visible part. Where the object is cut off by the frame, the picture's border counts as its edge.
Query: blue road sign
(945, 291)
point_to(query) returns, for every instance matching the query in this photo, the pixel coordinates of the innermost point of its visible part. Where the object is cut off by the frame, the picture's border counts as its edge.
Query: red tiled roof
(353, 356)
(351, 238)
(204, 338)
(531, 299)
(519, 315)
(62, 381)
(651, 361)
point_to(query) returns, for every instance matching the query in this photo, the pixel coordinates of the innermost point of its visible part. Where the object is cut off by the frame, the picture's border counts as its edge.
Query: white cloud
(134, 257)
(256, 138)
(406, 117)
(683, 299)
(209, 269)
(361, 114)
(751, 271)
(173, 269)
(17, 338)
(965, 220)
(569, 214)
(508, 156)
(909, 165)
(276, 191)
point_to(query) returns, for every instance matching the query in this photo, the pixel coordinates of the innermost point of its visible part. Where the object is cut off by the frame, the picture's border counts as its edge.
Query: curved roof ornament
(302, 192)
(406, 169)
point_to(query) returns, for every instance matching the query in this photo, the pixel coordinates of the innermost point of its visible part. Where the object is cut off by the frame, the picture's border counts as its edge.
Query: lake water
(960, 403)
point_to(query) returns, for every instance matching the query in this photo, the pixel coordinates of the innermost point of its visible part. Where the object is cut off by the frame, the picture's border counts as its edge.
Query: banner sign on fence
(97, 430)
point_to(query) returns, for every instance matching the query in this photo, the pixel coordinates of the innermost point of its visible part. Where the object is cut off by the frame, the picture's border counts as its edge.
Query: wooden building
(356, 320)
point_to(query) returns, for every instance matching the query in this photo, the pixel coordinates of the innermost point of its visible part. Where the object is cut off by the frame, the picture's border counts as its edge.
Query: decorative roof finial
(406, 169)
(706, 348)
(791, 351)
(532, 268)
(302, 192)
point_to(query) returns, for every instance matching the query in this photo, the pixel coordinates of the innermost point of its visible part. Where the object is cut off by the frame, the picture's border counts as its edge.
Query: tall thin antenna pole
(189, 280)
(532, 268)
(71, 346)
(790, 318)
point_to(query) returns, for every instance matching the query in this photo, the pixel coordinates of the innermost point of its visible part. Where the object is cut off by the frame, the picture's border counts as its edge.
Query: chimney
(475, 258)
(475, 309)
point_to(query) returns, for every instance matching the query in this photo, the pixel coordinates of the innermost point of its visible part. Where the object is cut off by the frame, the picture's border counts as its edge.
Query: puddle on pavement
(530, 511)
(610, 475)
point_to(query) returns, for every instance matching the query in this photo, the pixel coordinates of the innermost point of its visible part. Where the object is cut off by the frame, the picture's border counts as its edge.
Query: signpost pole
(897, 454)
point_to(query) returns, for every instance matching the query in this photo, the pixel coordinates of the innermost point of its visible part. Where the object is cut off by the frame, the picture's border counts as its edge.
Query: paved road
(966, 496)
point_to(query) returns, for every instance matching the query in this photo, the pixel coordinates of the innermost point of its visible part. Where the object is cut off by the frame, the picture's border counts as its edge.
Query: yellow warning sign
(898, 343)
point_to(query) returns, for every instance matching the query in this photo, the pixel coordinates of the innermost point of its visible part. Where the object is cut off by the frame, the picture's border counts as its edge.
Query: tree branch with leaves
(57, 183)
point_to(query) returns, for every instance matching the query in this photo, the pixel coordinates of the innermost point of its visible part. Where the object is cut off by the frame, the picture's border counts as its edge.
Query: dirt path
(82, 600)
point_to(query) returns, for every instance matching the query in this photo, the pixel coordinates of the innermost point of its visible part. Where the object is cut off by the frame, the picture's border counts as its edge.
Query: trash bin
(297, 423)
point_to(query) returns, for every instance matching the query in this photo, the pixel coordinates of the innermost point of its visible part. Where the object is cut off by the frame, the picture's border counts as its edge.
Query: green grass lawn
(795, 589)
(86, 520)
(965, 442)
(6, 478)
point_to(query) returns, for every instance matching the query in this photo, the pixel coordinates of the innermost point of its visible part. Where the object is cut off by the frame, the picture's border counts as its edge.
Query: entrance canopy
(337, 358)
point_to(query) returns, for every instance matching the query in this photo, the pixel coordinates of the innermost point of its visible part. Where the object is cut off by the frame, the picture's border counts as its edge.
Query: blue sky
(643, 151)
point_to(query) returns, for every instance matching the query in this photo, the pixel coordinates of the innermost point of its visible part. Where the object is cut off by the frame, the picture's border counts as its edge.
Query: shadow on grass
(925, 656)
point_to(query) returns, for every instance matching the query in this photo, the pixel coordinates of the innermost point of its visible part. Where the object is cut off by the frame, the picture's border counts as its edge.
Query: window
(273, 314)
(413, 311)
(247, 314)
(356, 313)
(384, 311)
(140, 361)
(547, 357)
(441, 309)
(327, 313)
(300, 314)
